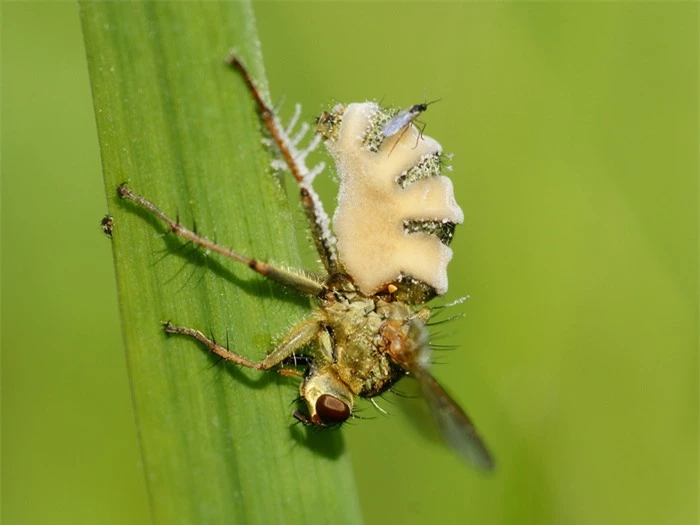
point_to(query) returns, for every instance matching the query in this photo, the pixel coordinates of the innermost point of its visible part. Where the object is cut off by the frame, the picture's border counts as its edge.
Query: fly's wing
(456, 428)
(409, 349)
(397, 123)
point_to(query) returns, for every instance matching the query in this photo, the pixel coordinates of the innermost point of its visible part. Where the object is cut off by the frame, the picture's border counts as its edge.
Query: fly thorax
(396, 211)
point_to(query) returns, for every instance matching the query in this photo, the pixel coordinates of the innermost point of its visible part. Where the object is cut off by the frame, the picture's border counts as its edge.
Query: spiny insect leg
(211, 345)
(313, 208)
(300, 336)
(319, 226)
(301, 283)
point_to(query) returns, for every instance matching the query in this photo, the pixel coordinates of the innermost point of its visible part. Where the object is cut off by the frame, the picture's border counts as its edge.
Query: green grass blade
(181, 129)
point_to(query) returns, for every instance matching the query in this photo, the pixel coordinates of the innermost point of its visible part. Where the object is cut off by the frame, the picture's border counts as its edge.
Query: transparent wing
(397, 123)
(457, 429)
(409, 349)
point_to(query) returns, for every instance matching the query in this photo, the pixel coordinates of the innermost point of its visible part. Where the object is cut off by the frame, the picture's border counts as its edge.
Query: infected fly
(386, 256)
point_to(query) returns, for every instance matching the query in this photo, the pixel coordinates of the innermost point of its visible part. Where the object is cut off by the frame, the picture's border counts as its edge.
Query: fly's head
(329, 401)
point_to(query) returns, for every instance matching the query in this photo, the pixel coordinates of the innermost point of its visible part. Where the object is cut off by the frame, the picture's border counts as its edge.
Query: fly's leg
(403, 132)
(300, 283)
(215, 348)
(296, 162)
(300, 336)
(420, 132)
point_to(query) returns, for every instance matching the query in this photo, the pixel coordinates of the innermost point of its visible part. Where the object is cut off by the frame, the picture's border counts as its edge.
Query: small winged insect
(386, 256)
(403, 118)
(107, 223)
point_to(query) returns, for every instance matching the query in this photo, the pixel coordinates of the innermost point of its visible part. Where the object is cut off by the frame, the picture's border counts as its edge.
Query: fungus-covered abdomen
(396, 211)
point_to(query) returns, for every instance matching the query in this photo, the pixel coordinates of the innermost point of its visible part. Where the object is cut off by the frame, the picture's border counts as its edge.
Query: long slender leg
(300, 336)
(300, 283)
(315, 214)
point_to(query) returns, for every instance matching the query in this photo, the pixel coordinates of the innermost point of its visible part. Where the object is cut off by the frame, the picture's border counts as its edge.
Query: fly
(404, 118)
(383, 260)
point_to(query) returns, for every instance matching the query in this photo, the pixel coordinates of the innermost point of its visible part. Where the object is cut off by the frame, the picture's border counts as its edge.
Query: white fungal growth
(375, 245)
(305, 175)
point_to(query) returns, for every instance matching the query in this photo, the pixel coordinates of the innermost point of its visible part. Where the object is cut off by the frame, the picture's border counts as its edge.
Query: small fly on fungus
(403, 118)
(385, 257)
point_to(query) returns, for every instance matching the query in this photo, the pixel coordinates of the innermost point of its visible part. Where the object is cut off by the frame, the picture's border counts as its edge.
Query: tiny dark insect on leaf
(107, 224)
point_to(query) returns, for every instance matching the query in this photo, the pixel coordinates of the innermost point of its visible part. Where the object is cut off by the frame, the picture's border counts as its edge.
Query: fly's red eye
(330, 409)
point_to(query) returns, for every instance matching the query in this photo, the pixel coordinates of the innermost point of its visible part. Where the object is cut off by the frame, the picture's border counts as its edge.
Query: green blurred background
(575, 134)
